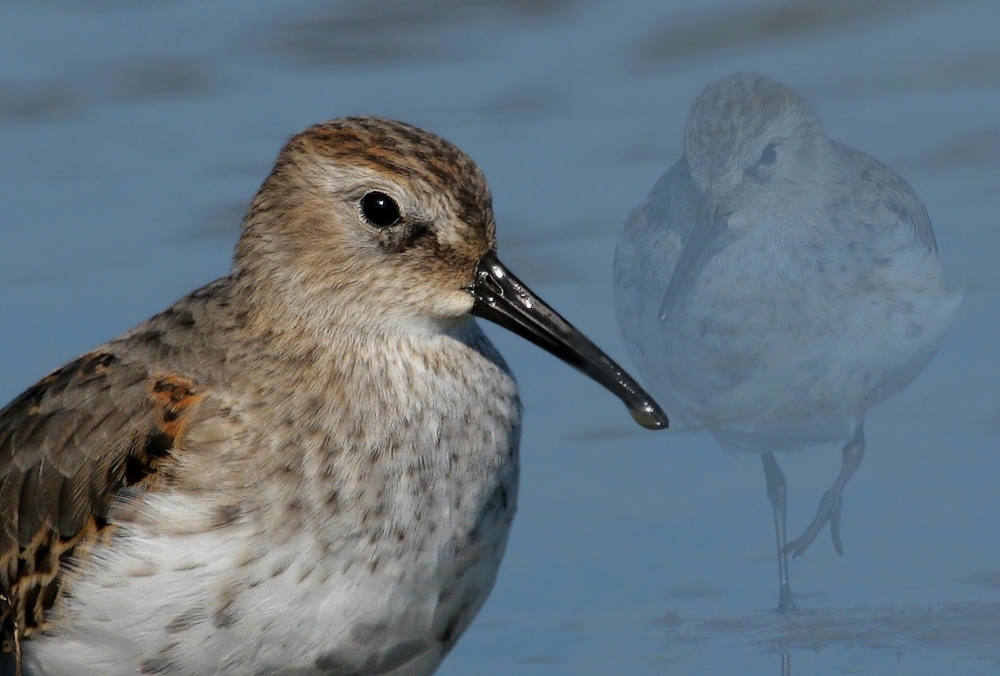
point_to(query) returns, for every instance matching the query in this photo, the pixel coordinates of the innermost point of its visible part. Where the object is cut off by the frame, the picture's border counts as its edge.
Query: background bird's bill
(712, 221)
(503, 299)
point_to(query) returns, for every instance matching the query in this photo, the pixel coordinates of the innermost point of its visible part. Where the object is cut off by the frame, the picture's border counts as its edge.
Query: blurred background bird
(776, 284)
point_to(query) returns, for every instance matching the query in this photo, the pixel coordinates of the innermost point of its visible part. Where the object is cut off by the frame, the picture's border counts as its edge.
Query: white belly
(226, 602)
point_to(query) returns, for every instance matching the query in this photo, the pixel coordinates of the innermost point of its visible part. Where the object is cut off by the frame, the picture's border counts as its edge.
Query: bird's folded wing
(888, 190)
(67, 445)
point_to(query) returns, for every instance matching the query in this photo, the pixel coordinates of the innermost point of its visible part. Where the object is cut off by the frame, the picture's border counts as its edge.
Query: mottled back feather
(111, 419)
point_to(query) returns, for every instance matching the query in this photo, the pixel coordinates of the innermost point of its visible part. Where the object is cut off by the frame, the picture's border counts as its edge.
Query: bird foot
(829, 511)
(785, 602)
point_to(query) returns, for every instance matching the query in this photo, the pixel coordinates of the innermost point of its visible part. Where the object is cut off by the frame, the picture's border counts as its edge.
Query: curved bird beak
(503, 299)
(712, 221)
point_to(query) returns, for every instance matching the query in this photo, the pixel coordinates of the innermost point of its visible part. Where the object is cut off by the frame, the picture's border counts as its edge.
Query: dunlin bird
(307, 467)
(776, 284)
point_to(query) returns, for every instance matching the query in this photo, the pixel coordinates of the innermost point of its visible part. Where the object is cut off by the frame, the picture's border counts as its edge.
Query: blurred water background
(132, 135)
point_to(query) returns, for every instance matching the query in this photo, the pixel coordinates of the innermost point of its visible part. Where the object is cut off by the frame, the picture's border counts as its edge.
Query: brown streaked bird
(309, 466)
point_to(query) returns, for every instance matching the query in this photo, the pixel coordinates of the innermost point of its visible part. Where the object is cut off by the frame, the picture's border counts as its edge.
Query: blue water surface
(132, 135)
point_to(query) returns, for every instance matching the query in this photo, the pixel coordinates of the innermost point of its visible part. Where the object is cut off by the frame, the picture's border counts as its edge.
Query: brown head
(371, 218)
(373, 225)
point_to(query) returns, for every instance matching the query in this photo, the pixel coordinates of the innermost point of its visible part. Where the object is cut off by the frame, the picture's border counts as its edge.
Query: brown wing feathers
(67, 445)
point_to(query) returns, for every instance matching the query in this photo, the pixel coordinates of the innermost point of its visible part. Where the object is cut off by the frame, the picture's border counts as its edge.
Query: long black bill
(503, 299)
(712, 221)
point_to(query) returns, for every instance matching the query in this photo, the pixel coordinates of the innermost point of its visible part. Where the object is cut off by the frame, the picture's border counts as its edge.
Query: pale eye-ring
(379, 209)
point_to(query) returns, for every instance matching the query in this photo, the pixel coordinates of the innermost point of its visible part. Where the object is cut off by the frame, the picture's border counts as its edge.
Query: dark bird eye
(379, 209)
(770, 155)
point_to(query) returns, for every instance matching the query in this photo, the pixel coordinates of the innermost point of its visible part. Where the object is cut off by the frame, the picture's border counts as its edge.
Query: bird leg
(777, 492)
(832, 500)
